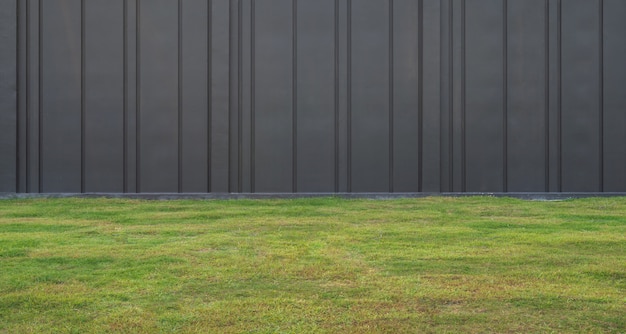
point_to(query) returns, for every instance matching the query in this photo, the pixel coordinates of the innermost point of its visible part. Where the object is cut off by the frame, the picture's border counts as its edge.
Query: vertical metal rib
(391, 97)
(442, 88)
(239, 99)
(420, 96)
(18, 82)
(601, 102)
(82, 96)
(450, 97)
(349, 95)
(463, 101)
(27, 100)
(547, 97)
(505, 95)
(40, 106)
(294, 100)
(559, 96)
(209, 95)
(230, 92)
(336, 69)
(138, 97)
(180, 96)
(252, 96)
(125, 97)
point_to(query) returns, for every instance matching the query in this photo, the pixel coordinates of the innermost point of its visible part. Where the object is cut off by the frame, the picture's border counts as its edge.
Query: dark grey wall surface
(8, 95)
(280, 96)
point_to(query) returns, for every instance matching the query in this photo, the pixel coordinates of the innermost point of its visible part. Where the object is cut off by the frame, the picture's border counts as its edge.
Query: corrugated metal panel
(8, 96)
(315, 96)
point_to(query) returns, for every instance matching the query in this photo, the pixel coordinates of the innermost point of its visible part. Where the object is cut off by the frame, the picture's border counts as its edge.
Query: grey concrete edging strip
(379, 196)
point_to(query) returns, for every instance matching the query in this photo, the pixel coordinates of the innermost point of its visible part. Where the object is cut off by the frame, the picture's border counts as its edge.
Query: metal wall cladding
(8, 95)
(313, 96)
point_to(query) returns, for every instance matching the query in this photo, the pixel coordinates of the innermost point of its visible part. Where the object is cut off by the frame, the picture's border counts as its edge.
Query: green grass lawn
(312, 265)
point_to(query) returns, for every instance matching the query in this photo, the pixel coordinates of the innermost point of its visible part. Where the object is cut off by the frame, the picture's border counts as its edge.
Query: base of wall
(381, 196)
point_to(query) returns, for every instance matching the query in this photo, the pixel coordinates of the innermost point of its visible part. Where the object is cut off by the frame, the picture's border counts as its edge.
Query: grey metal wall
(8, 95)
(314, 96)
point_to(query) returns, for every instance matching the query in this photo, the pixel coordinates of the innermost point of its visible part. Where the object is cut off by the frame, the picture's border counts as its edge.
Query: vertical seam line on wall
(239, 99)
(349, 94)
(18, 115)
(252, 97)
(125, 98)
(336, 69)
(505, 95)
(547, 97)
(209, 95)
(463, 100)
(138, 97)
(180, 97)
(25, 18)
(601, 95)
(230, 102)
(559, 95)
(391, 96)
(420, 96)
(27, 99)
(294, 99)
(25, 42)
(40, 106)
(82, 96)
(450, 96)
(441, 95)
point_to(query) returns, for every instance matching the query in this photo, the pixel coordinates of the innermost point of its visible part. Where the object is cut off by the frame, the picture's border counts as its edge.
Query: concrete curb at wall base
(375, 196)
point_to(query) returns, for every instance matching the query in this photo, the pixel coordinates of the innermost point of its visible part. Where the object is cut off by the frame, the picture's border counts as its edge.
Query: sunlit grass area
(323, 265)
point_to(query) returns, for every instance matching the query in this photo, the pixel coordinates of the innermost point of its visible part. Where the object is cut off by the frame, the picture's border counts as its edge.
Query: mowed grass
(313, 266)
